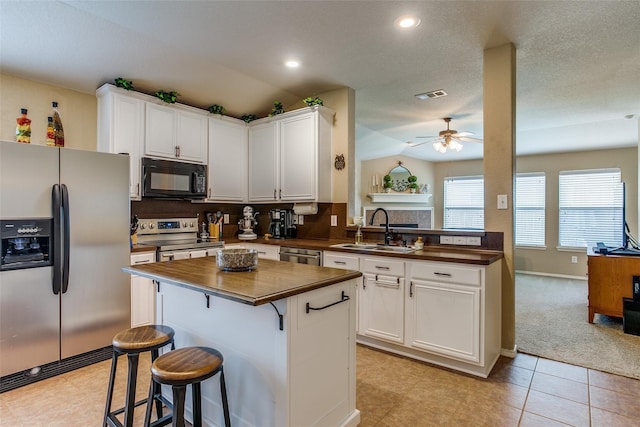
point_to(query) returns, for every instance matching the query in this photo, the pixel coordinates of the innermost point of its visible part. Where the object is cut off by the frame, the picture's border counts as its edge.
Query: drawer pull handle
(381, 267)
(385, 281)
(340, 262)
(388, 284)
(146, 261)
(343, 298)
(411, 289)
(442, 274)
(262, 252)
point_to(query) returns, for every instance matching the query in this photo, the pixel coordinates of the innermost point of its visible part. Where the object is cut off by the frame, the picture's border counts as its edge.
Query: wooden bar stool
(179, 368)
(132, 342)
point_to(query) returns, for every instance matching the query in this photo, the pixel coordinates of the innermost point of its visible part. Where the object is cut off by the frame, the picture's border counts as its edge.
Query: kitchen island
(287, 333)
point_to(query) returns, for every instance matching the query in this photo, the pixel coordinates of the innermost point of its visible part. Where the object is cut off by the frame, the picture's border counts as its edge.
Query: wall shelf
(399, 197)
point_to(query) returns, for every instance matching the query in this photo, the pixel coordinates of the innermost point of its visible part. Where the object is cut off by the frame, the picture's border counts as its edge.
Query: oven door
(168, 179)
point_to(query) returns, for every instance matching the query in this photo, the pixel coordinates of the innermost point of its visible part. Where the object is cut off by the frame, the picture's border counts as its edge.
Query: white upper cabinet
(263, 162)
(227, 168)
(121, 129)
(290, 157)
(176, 132)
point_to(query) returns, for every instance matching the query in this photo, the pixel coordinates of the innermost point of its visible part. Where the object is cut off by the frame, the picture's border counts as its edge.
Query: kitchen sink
(374, 248)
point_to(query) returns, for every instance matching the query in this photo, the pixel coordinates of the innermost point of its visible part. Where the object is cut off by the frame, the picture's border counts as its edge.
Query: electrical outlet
(474, 241)
(300, 219)
(459, 240)
(574, 259)
(226, 218)
(446, 240)
(334, 220)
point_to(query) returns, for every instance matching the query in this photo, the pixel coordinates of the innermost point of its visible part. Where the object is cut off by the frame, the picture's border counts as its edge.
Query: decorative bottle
(50, 132)
(23, 128)
(58, 132)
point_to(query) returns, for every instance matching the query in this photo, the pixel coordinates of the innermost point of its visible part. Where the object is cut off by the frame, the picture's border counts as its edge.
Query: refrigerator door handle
(67, 243)
(57, 240)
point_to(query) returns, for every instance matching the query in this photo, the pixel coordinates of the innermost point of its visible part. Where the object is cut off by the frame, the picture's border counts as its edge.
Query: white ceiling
(578, 62)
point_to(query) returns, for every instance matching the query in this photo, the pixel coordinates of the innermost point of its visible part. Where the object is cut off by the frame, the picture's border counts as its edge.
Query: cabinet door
(143, 295)
(227, 160)
(382, 307)
(191, 136)
(445, 319)
(298, 166)
(160, 131)
(263, 162)
(121, 131)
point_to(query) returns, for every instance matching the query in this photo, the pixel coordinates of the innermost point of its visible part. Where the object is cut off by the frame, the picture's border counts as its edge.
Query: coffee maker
(282, 224)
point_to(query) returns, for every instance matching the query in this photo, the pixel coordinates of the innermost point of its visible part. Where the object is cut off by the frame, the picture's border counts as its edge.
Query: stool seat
(186, 365)
(179, 369)
(142, 337)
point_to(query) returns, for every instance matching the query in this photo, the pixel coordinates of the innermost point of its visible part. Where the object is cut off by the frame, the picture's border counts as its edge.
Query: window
(530, 225)
(464, 202)
(591, 204)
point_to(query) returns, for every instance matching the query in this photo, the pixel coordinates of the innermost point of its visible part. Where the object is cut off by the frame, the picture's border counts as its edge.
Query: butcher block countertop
(270, 281)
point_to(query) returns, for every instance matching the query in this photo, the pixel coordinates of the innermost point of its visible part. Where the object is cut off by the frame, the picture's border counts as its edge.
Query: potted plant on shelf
(413, 186)
(387, 183)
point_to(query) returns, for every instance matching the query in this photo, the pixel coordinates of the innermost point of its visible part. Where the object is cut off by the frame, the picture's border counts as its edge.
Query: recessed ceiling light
(292, 64)
(407, 21)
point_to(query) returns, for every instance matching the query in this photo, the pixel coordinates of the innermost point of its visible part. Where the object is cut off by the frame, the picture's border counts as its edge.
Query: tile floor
(391, 391)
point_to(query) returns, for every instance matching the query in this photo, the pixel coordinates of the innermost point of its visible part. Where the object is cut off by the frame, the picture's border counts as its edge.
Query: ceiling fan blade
(433, 136)
(467, 139)
(455, 135)
(415, 144)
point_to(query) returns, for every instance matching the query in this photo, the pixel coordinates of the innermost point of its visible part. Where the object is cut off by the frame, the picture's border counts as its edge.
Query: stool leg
(156, 388)
(225, 404)
(179, 392)
(150, 399)
(112, 378)
(197, 405)
(131, 389)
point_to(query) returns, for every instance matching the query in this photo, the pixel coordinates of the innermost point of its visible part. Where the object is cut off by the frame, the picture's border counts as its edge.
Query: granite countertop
(428, 253)
(270, 281)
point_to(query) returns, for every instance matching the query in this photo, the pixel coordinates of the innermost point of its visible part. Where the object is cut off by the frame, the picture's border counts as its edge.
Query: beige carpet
(551, 322)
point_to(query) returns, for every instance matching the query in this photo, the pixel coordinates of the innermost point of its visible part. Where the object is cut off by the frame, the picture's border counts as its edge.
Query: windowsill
(535, 248)
(570, 249)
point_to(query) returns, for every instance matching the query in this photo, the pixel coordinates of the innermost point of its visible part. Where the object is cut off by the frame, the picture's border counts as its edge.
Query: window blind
(530, 209)
(464, 202)
(591, 206)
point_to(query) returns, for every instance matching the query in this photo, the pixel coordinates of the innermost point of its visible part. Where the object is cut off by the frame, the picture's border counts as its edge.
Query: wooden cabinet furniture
(121, 129)
(176, 132)
(290, 157)
(610, 280)
(227, 180)
(143, 295)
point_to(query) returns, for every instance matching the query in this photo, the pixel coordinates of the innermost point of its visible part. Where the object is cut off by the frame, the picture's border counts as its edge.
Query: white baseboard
(561, 276)
(509, 353)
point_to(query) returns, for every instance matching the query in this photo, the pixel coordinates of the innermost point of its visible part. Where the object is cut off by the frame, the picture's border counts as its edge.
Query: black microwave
(171, 179)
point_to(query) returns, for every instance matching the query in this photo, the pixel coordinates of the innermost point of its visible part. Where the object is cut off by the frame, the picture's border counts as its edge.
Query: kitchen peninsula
(287, 333)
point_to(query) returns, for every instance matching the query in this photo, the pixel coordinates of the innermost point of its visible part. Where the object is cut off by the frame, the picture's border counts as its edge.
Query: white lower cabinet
(381, 301)
(444, 313)
(143, 295)
(264, 251)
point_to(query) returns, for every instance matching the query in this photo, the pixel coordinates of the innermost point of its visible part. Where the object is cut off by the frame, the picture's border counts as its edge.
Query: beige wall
(77, 110)
(556, 261)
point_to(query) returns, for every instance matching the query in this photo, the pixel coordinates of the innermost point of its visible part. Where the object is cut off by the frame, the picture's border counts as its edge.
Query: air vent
(433, 94)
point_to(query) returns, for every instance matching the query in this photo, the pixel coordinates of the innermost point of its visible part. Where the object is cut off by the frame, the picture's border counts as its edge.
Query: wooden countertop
(270, 281)
(428, 253)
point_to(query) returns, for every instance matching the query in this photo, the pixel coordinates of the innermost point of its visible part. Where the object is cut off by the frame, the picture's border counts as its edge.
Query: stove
(176, 238)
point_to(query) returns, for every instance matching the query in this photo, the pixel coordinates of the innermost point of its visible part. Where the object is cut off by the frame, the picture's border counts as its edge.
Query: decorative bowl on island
(236, 259)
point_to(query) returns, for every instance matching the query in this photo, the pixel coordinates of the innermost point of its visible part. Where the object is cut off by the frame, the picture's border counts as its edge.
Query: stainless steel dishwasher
(301, 256)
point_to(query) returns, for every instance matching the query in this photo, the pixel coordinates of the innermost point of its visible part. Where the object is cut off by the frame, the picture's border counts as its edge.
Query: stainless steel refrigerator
(80, 299)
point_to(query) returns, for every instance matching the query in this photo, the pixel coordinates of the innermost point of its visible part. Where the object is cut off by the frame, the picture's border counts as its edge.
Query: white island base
(302, 375)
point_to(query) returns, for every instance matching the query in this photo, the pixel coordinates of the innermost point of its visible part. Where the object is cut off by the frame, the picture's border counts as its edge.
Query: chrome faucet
(387, 235)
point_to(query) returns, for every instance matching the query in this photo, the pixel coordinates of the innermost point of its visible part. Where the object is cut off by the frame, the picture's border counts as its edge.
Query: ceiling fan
(447, 139)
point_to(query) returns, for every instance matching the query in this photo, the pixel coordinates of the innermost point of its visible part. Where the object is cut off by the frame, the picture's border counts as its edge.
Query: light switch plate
(446, 240)
(300, 219)
(226, 218)
(334, 220)
(474, 241)
(502, 201)
(459, 240)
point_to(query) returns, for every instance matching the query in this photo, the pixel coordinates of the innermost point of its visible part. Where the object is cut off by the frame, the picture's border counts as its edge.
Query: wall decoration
(339, 163)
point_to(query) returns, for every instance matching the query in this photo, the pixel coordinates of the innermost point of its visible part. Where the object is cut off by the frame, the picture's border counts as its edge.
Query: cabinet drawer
(143, 258)
(444, 272)
(345, 262)
(378, 265)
